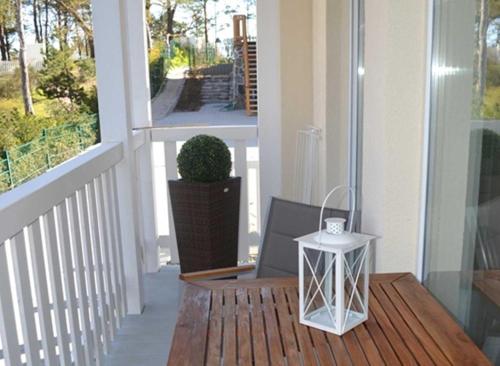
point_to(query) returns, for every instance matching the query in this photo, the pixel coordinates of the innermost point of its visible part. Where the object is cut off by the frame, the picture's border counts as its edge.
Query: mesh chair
(278, 255)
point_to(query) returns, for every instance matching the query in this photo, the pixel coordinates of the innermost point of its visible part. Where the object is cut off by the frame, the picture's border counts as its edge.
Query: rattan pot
(206, 219)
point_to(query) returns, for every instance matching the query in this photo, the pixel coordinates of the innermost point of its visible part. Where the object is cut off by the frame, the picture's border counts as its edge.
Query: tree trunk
(205, 24)
(148, 25)
(482, 50)
(7, 45)
(205, 20)
(38, 36)
(25, 80)
(3, 46)
(46, 25)
(170, 20)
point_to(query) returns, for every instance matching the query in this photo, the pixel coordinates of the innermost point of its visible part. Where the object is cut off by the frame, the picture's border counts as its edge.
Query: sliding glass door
(462, 237)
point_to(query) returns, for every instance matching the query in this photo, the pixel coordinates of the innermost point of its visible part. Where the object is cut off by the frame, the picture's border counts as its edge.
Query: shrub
(59, 77)
(204, 159)
(157, 69)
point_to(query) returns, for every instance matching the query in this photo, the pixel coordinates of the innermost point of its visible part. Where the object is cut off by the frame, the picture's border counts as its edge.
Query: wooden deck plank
(191, 329)
(287, 332)
(244, 335)
(215, 329)
(256, 322)
(229, 333)
(454, 343)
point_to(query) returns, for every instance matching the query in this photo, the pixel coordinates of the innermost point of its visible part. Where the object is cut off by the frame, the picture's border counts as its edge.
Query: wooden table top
(255, 322)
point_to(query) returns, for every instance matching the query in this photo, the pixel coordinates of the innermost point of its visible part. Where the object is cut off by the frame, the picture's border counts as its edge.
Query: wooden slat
(339, 349)
(457, 347)
(189, 341)
(8, 328)
(83, 202)
(397, 343)
(272, 330)
(54, 267)
(229, 335)
(383, 344)
(216, 273)
(321, 344)
(81, 289)
(260, 350)
(303, 336)
(354, 348)
(430, 346)
(368, 345)
(97, 260)
(250, 283)
(243, 329)
(105, 252)
(23, 286)
(215, 329)
(40, 281)
(69, 282)
(402, 328)
(286, 326)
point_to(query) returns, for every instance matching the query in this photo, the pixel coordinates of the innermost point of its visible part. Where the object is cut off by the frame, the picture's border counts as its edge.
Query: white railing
(242, 141)
(62, 290)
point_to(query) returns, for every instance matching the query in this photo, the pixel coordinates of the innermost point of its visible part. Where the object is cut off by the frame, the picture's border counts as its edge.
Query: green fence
(54, 146)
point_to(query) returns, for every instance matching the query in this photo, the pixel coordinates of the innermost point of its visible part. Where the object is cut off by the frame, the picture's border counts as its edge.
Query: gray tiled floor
(145, 339)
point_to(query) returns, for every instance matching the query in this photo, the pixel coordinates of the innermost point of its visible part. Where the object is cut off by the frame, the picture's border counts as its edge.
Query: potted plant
(205, 205)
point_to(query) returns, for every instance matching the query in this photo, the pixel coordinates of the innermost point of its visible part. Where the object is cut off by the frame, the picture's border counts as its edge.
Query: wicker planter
(206, 218)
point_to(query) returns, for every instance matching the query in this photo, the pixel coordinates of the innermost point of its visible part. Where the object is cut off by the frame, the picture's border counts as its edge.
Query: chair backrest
(286, 221)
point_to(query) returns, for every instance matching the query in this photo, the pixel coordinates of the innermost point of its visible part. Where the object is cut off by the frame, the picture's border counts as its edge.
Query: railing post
(9, 169)
(117, 50)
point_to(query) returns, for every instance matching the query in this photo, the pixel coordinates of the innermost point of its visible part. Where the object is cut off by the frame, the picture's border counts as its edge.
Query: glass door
(462, 236)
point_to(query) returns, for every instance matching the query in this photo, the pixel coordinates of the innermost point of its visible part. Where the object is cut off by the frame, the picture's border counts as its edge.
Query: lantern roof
(343, 242)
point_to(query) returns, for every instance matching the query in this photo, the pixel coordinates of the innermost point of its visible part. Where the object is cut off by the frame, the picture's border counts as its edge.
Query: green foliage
(180, 57)
(491, 104)
(157, 68)
(204, 159)
(59, 78)
(18, 128)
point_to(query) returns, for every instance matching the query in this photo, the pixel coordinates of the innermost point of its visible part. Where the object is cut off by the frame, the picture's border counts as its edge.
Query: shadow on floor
(145, 339)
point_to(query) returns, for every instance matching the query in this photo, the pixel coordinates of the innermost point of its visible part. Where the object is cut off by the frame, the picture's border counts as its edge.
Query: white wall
(395, 74)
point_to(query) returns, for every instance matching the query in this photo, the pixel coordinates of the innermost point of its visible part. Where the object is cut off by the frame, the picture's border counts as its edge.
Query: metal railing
(54, 146)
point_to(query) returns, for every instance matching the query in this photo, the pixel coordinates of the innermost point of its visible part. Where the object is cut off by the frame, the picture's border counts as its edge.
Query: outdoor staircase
(250, 56)
(249, 48)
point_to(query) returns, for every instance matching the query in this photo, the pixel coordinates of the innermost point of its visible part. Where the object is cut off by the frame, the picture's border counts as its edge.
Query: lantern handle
(352, 205)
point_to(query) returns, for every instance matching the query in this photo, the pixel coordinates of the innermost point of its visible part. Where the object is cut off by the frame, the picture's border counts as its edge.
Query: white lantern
(334, 275)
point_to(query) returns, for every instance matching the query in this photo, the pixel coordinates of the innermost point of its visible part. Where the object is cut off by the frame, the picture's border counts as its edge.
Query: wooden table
(245, 322)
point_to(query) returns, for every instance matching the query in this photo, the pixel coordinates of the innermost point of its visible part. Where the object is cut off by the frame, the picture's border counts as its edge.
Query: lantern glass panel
(319, 292)
(355, 286)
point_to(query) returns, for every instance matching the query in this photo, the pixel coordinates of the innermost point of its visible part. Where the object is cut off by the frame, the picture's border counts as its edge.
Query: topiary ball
(204, 159)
